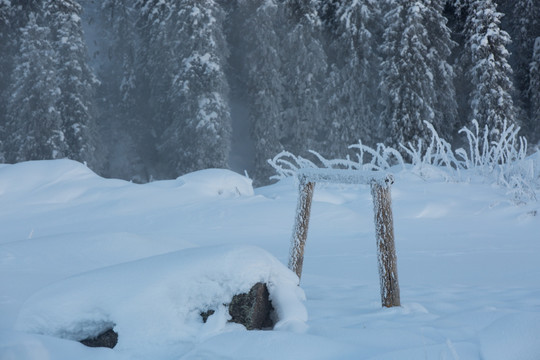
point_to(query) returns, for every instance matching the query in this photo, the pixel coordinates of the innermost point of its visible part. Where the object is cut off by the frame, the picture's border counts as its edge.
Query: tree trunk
(301, 225)
(386, 249)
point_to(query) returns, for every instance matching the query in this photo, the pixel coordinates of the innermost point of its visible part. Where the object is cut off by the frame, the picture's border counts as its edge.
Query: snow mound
(39, 174)
(211, 182)
(158, 300)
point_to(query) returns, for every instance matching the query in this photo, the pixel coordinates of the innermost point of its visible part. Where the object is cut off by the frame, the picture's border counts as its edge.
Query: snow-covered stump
(301, 224)
(386, 249)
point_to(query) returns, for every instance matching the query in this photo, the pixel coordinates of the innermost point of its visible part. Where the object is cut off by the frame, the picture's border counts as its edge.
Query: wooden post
(300, 231)
(386, 249)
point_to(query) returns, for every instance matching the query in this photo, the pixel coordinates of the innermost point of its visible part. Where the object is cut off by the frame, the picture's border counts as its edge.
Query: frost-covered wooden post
(301, 224)
(386, 249)
(384, 223)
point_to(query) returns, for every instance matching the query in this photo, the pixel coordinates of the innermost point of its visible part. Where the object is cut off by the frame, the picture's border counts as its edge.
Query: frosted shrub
(438, 157)
(485, 155)
(287, 164)
(502, 161)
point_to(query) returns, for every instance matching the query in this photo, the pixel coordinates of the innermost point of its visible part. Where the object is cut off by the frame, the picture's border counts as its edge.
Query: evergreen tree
(122, 106)
(34, 123)
(198, 135)
(304, 69)
(264, 81)
(119, 20)
(534, 92)
(351, 88)
(5, 18)
(491, 102)
(75, 81)
(415, 50)
(438, 56)
(6, 61)
(157, 57)
(373, 71)
(5, 48)
(456, 13)
(525, 28)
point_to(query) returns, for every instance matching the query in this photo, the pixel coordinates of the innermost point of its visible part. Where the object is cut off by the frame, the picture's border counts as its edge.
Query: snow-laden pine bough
(384, 226)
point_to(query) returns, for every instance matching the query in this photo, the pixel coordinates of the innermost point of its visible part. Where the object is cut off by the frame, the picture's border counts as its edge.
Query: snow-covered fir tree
(439, 55)
(456, 13)
(260, 43)
(316, 74)
(155, 70)
(6, 61)
(5, 21)
(75, 80)
(415, 72)
(304, 69)
(6, 17)
(490, 73)
(198, 135)
(351, 88)
(121, 104)
(534, 91)
(34, 123)
(119, 18)
(525, 28)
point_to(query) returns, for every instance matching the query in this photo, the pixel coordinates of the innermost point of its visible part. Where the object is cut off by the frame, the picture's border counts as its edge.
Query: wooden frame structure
(384, 224)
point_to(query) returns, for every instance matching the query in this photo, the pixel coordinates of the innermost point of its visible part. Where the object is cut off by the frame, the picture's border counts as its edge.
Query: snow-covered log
(344, 176)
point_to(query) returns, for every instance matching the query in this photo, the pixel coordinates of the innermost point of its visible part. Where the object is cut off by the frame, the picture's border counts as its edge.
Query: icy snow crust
(79, 252)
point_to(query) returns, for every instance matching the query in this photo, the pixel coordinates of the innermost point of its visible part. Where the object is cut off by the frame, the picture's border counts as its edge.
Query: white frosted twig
(499, 157)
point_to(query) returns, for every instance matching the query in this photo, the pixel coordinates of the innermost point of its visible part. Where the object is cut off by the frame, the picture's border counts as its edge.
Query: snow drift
(163, 296)
(79, 253)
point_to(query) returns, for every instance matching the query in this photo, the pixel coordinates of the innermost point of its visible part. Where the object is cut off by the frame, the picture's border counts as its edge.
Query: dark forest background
(153, 89)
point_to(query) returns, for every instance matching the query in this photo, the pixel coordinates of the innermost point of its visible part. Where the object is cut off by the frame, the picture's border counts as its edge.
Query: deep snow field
(79, 252)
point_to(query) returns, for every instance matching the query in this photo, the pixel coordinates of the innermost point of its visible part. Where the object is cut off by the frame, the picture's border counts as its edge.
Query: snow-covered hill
(78, 251)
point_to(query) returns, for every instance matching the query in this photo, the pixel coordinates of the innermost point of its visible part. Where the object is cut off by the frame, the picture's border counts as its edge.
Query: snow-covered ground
(79, 252)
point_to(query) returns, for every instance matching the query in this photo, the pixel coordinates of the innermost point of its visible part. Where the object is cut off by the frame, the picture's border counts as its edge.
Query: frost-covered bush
(502, 161)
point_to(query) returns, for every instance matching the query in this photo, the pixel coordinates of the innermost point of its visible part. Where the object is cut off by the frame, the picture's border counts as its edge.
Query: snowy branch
(502, 162)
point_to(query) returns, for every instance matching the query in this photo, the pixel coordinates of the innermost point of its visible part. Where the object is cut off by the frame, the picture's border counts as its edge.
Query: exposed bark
(386, 249)
(305, 196)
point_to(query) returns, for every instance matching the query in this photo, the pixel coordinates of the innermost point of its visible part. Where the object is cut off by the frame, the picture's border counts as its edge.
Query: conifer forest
(153, 89)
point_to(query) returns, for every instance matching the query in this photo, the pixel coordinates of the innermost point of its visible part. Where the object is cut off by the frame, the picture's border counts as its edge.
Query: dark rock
(206, 314)
(254, 309)
(108, 339)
